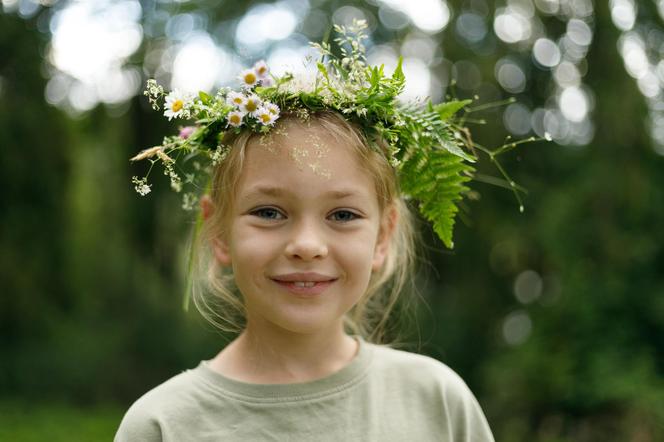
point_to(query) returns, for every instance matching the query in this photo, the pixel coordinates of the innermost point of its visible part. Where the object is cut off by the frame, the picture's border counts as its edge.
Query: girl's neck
(269, 357)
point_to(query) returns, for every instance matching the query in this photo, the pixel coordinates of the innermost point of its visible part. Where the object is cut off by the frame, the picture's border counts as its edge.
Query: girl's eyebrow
(275, 191)
(265, 190)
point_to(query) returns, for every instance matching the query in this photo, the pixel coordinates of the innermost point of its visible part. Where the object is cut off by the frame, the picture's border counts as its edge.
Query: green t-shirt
(382, 395)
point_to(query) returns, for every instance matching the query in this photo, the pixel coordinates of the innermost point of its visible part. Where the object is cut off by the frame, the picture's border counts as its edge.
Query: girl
(309, 243)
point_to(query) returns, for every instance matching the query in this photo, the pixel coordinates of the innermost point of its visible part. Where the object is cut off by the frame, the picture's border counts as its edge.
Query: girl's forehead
(304, 147)
(305, 156)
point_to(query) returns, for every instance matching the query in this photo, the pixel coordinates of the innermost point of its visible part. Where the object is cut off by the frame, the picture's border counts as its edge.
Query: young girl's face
(305, 232)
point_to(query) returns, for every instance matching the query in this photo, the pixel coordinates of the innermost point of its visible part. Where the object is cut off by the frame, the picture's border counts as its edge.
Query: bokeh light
(200, 64)
(623, 13)
(579, 32)
(428, 15)
(516, 118)
(471, 27)
(517, 327)
(345, 15)
(419, 79)
(512, 25)
(528, 286)
(567, 74)
(467, 75)
(91, 43)
(546, 52)
(510, 75)
(265, 22)
(574, 104)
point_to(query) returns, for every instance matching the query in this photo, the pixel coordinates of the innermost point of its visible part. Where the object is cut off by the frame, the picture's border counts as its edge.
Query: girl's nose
(307, 243)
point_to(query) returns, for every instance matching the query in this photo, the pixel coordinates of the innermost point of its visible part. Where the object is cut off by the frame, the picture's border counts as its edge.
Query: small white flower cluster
(141, 185)
(154, 92)
(218, 155)
(247, 103)
(169, 170)
(189, 201)
(250, 104)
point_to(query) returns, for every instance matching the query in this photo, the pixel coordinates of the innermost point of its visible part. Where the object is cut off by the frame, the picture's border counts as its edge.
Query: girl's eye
(268, 213)
(343, 216)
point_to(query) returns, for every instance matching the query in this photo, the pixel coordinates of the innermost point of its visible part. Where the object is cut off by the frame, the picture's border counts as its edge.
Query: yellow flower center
(262, 70)
(273, 111)
(265, 118)
(235, 119)
(251, 105)
(177, 105)
(250, 78)
(237, 100)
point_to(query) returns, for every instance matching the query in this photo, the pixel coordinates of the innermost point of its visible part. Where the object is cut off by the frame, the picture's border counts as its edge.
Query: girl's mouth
(305, 288)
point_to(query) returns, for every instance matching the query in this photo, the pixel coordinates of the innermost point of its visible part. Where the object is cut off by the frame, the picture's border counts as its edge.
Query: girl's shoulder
(418, 373)
(387, 357)
(422, 383)
(172, 398)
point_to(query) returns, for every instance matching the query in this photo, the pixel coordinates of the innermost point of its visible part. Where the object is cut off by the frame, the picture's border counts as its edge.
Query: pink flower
(186, 132)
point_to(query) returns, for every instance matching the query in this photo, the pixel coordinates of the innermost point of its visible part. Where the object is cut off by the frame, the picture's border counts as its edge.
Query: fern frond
(436, 178)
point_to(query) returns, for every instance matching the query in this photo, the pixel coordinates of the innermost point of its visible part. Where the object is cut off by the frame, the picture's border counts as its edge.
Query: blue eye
(343, 216)
(268, 213)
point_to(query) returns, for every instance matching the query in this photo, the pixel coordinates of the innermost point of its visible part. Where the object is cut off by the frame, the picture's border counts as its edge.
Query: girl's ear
(387, 225)
(219, 246)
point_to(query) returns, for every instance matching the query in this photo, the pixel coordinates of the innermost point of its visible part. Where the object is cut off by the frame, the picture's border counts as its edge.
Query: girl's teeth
(304, 284)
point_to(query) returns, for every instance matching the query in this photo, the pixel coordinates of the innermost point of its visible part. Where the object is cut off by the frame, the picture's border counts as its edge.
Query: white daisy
(249, 78)
(261, 69)
(251, 104)
(236, 99)
(176, 105)
(265, 117)
(235, 118)
(272, 108)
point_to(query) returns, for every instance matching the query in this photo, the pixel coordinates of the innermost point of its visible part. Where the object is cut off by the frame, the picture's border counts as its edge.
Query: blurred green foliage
(24, 422)
(90, 311)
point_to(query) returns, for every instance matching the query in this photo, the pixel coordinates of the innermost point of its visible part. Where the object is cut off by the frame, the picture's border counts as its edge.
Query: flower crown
(426, 147)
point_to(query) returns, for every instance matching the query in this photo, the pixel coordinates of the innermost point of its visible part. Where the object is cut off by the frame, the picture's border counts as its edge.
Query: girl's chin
(307, 321)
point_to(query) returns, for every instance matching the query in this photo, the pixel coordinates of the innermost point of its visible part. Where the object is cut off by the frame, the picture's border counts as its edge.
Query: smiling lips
(307, 284)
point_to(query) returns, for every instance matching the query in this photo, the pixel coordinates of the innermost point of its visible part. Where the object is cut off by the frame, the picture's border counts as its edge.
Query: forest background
(553, 316)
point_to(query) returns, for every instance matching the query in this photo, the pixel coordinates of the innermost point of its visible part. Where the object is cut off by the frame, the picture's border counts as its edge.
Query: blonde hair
(214, 292)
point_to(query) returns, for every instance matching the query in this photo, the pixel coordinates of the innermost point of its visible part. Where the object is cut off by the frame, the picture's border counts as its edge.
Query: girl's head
(304, 229)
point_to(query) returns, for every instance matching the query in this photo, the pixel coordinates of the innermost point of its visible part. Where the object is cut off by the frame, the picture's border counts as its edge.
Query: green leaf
(398, 76)
(312, 101)
(453, 148)
(323, 70)
(448, 109)
(205, 98)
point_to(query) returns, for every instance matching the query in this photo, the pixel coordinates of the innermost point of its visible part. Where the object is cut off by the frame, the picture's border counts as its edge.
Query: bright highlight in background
(623, 14)
(200, 65)
(512, 25)
(265, 22)
(428, 15)
(91, 42)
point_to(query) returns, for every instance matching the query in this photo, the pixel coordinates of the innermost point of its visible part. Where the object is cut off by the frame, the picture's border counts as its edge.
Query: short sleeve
(468, 421)
(138, 425)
